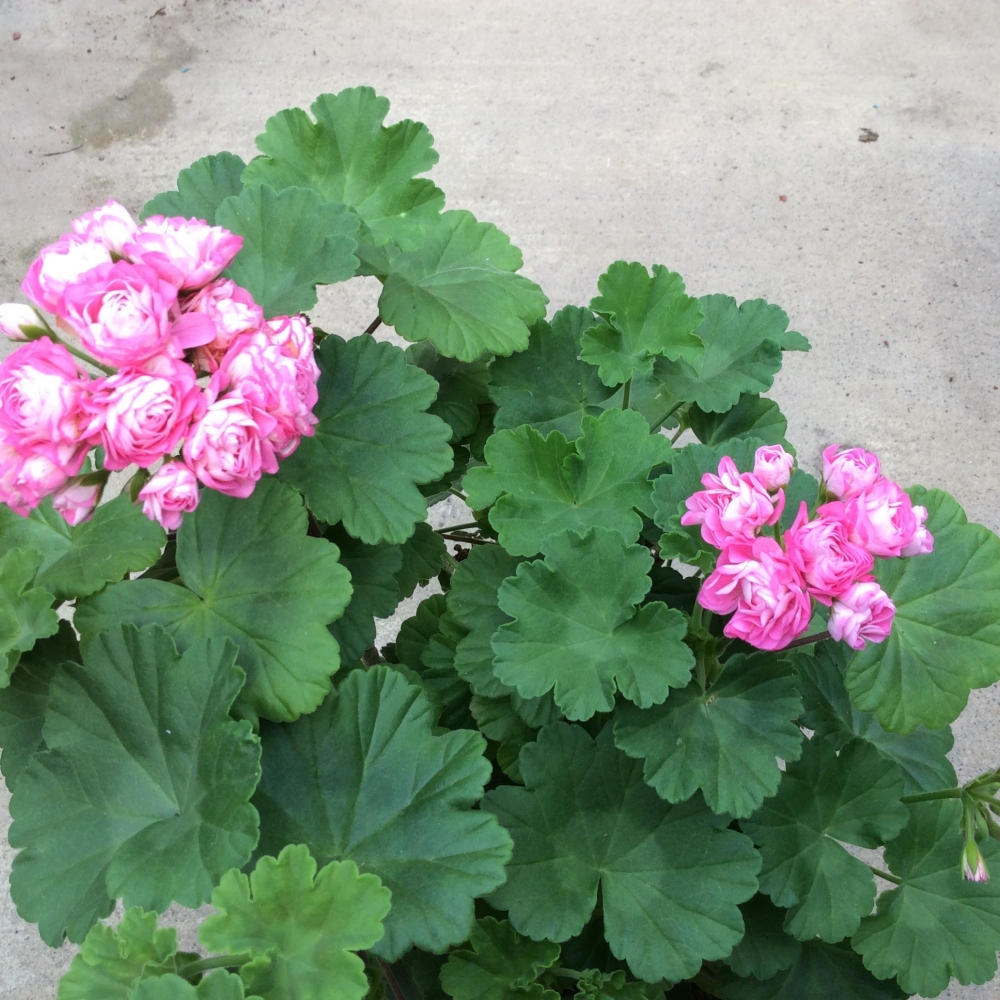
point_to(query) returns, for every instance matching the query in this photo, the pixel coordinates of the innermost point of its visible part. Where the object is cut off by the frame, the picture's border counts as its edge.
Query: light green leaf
(218, 985)
(143, 791)
(458, 290)
(765, 949)
(753, 416)
(825, 798)
(117, 540)
(646, 317)
(586, 643)
(461, 387)
(423, 556)
(742, 353)
(302, 927)
(935, 926)
(547, 385)
(365, 778)
(922, 754)
(26, 612)
(541, 486)
(201, 189)
(251, 574)
(726, 740)
(499, 965)
(670, 877)
(292, 241)
(347, 155)
(946, 632)
(373, 444)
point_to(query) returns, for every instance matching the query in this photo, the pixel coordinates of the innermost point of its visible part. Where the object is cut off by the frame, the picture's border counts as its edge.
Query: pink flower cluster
(194, 373)
(767, 585)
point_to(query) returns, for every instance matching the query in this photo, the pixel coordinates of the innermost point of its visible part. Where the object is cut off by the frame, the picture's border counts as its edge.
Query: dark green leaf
(670, 877)
(726, 740)
(201, 189)
(373, 444)
(461, 388)
(364, 778)
(753, 416)
(252, 574)
(143, 791)
(825, 798)
(26, 612)
(765, 949)
(423, 556)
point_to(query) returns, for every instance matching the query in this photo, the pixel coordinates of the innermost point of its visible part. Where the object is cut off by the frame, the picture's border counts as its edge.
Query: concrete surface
(721, 139)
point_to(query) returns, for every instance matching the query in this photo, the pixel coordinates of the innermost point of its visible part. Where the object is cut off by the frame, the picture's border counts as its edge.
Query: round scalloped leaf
(252, 574)
(301, 927)
(646, 316)
(26, 612)
(219, 985)
(829, 712)
(935, 926)
(423, 555)
(945, 637)
(742, 353)
(458, 290)
(765, 949)
(825, 798)
(582, 642)
(726, 740)
(144, 790)
(461, 387)
(364, 777)
(540, 486)
(201, 189)
(670, 877)
(753, 416)
(373, 443)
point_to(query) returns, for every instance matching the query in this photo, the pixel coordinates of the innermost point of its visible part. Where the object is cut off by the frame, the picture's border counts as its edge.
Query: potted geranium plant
(619, 754)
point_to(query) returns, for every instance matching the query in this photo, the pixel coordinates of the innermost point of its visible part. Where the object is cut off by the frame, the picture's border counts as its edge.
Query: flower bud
(973, 865)
(14, 316)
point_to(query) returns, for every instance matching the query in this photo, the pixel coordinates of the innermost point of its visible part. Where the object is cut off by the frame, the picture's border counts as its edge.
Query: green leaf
(461, 387)
(726, 740)
(117, 540)
(547, 385)
(423, 556)
(143, 791)
(458, 290)
(251, 574)
(922, 754)
(825, 798)
(742, 353)
(646, 317)
(499, 965)
(497, 721)
(753, 416)
(765, 949)
(219, 985)
(347, 155)
(292, 241)
(586, 643)
(373, 444)
(112, 959)
(946, 632)
(935, 926)
(540, 486)
(374, 591)
(26, 612)
(364, 778)
(302, 927)
(23, 703)
(597, 985)
(201, 189)
(670, 877)
(821, 972)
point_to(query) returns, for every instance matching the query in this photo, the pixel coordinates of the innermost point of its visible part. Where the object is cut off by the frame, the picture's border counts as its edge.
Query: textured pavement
(720, 139)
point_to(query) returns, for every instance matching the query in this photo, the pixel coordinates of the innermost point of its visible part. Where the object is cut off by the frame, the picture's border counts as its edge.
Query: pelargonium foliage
(659, 685)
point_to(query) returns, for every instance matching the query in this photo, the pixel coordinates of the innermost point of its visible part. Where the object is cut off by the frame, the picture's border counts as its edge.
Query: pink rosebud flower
(26, 479)
(733, 506)
(110, 225)
(14, 315)
(228, 449)
(848, 474)
(922, 541)
(170, 493)
(43, 392)
(738, 569)
(232, 311)
(882, 519)
(773, 466)
(823, 552)
(59, 266)
(76, 499)
(292, 334)
(121, 312)
(140, 417)
(862, 614)
(188, 253)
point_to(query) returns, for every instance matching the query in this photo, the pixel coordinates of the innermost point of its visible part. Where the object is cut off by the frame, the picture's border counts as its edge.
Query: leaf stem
(471, 539)
(219, 962)
(458, 527)
(680, 431)
(373, 325)
(666, 416)
(458, 493)
(626, 394)
(390, 979)
(944, 793)
(805, 640)
(82, 355)
(886, 875)
(567, 973)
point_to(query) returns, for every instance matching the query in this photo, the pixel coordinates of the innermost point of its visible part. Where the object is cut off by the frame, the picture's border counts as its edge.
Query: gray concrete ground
(720, 138)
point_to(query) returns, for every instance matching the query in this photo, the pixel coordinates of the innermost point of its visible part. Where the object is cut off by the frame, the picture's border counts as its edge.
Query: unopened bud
(14, 317)
(973, 865)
